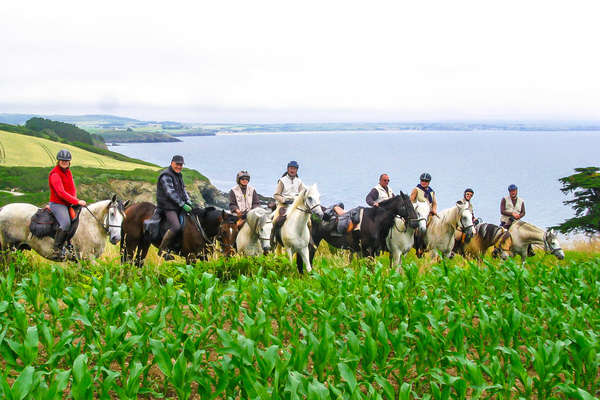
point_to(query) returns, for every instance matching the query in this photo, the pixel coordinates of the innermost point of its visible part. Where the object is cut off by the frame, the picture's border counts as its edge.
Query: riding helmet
(425, 177)
(512, 186)
(469, 190)
(242, 174)
(293, 164)
(64, 155)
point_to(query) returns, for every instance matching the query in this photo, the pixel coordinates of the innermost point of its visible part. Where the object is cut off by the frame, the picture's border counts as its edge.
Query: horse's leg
(303, 256)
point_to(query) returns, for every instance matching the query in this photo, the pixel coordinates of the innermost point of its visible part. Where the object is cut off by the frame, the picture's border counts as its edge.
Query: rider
(380, 192)
(63, 195)
(171, 199)
(512, 208)
(423, 192)
(242, 197)
(289, 185)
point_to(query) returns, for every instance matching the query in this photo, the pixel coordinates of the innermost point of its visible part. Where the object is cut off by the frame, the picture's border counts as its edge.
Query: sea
(346, 165)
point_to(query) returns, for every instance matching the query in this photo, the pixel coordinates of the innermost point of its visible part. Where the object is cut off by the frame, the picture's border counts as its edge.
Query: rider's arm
(522, 213)
(413, 195)
(503, 210)
(255, 200)
(167, 183)
(278, 197)
(372, 197)
(233, 205)
(59, 189)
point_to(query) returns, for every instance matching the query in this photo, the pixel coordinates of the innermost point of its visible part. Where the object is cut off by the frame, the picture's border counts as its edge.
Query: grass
(17, 150)
(254, 328)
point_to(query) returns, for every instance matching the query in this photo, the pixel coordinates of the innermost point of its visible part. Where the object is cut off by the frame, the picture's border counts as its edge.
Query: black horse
(348, 240)
(200, 229)
(377, 221)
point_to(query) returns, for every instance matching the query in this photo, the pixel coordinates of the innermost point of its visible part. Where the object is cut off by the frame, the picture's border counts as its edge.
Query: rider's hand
(289, 201)
(375, 204)
(516, 215)
(238, 212)
(187, 208)
(82, 203)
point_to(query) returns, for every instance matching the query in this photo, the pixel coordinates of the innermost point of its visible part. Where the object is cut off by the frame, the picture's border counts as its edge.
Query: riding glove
(187, 208)
(289, 201)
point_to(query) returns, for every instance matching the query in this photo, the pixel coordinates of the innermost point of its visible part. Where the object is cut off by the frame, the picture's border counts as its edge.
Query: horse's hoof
(308, 269)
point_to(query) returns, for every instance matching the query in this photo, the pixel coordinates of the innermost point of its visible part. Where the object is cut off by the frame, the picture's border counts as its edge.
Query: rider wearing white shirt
(289, 185)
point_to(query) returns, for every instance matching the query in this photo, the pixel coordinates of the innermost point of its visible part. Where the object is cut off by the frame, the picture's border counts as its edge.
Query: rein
(309, 211)
(199, 227)
(547, 246)
(104, 224)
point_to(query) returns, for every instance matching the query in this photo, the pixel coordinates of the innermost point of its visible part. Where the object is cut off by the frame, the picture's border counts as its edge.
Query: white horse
(295, 234)
(255, 236)
(441, 228)
(522, 234)
(100, 220)
(401, 237)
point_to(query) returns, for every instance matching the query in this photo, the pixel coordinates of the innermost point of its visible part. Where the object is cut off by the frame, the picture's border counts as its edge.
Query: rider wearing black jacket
(171, 198)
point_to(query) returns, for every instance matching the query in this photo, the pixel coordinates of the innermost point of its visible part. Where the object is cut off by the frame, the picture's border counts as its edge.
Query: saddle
(43, 223)
(155, 228)
(350, 221)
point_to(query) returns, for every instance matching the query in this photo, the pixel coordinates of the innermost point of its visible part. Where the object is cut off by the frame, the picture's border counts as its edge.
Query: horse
(377, 222)
(255, 236)
(486, 236)
(228, 231)
(522, 234)
(348, 240)
(295, 235)
(96, 222)
(441, 228)
(401, 237)
(201, 226)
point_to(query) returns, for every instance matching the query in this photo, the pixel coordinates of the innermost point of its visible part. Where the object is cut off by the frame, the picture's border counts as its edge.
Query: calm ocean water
(346, 165)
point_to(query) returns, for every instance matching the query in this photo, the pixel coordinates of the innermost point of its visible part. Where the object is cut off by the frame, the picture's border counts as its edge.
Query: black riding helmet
(425, 177)
(469, 190)
(242, 174)
(64, 155)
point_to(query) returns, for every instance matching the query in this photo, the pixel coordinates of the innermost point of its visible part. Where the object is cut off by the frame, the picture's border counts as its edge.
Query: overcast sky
(282, 61)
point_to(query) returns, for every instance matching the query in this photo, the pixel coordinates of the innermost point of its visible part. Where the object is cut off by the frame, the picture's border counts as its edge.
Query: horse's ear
(126, 204)
(114, 198)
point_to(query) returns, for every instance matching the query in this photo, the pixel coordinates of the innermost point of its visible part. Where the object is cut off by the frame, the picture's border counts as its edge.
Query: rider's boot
(58, 249)
(165, 245)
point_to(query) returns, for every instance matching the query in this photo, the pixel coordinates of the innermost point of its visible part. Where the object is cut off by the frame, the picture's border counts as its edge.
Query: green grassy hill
(28, 151)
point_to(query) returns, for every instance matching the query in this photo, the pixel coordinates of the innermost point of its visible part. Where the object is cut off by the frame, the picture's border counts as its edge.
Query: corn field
(255, 329)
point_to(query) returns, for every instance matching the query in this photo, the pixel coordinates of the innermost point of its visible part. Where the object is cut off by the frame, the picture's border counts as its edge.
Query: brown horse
(486, 236)
(228, 231)
(200, 228)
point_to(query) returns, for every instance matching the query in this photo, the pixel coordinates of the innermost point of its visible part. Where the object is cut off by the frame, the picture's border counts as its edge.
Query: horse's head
(115, 214)
(551, 244)
(401, 206)
(228, 230)
(466, 220)
(264, 226)
(422, 208)
(311, 200)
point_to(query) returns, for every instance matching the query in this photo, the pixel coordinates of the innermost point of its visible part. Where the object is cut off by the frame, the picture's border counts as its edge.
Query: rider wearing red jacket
(63, 195)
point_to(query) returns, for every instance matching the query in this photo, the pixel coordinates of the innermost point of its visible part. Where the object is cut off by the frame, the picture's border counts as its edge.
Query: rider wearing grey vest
(380, 192)
(512, 207)
(242, 197)
(289, 185)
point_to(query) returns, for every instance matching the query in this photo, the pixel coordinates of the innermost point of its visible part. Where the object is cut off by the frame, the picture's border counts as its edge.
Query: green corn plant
(82, 386)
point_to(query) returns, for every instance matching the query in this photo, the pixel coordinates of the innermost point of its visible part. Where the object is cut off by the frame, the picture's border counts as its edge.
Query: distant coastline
(115, 129)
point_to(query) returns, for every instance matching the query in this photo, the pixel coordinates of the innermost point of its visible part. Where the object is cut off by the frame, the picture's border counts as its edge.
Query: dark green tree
(585, 186)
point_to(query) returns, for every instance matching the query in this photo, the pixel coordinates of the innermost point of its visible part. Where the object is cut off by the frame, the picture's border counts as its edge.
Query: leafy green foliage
(68, 132)
(585, 186)
(259, 330)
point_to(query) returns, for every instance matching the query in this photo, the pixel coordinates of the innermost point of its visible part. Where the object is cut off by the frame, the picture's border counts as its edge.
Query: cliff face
(202, 192)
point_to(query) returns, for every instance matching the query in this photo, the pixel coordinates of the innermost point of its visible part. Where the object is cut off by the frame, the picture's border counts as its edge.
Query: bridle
(310, 210)
(547, 247)
(194, 218)
(105, 224)
(463, 228)
(256, 229)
